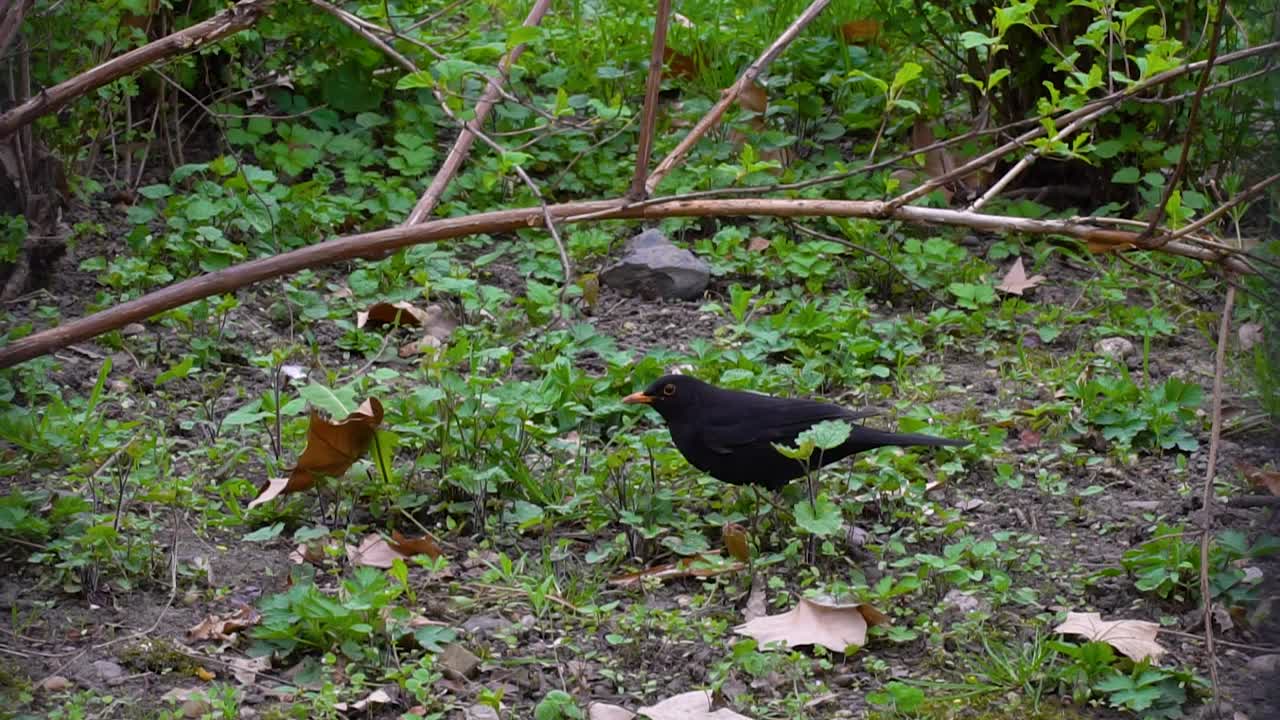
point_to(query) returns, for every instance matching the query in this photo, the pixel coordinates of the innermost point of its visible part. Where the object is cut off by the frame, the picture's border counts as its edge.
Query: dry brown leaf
(735, 541)
(1250, 335)
(1135, 639)
(701, 566)
(377, 551)
(831, 625)
(204, 674)
(407, 546)
(312, 552)
(937, 162)
(1268, 479)
(860, 32)
(757, 244)
(755, 600)
(373, 551)
(377, 697)
(678, 64)
(754, 98)
(332, 447)
(246, 670)
(605, 711)
(424, 344)
(1016, 282)
(403, 313)
(695, 705)
(224, 627)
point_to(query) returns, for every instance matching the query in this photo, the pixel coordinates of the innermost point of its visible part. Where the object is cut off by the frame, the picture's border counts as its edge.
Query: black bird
(729, 434)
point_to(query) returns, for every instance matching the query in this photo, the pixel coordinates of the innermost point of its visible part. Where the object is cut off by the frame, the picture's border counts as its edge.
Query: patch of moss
(158, 655)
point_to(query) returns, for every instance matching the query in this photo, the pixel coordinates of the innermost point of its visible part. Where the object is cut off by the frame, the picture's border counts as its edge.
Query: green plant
(1157, 417)
(1168, 565)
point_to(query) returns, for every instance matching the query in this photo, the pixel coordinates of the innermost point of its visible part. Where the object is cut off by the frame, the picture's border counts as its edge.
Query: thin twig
(731, 94)
(653, 85)
(1206, 494)
(868, 251)
(462, 146)
(1192, 116)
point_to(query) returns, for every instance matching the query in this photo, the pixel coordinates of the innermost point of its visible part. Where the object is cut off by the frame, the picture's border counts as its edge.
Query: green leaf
(181, 370)
(523, 34)
(823, 518)
(265, 534)
(336, 406)
(1127, 175)
(801, 452)
(419, 79)
(827, 434)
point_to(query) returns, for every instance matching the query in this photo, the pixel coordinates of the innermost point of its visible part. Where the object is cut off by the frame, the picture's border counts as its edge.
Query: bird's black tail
(868, 439)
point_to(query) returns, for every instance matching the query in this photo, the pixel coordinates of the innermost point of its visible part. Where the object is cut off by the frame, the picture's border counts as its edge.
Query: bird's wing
(762, 419)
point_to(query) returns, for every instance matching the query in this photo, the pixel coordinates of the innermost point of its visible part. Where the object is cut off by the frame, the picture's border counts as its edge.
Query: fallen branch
(384, 241)
(731, 93)
(228, 22)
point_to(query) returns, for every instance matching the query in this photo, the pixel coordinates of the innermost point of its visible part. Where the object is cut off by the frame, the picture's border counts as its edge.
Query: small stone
(654, 268)
(1116, 348)
(1264, 665)
(54, 683)
(132, 329)
(458, 661)
(484, 624)
(1143, 504)
(194, 708)
(108, 671)
(528, 621)
(961, 602)
(481, 712)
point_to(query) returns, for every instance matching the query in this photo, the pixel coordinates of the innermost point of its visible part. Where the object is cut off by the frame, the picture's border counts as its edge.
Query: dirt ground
(133, 646)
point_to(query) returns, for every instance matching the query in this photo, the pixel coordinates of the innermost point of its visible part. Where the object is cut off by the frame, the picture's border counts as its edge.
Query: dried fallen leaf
(403, 313)
(755, 600)
(407, 546)
(605, 711)
(54, 683)
(1269, 479)
(754, 98)
(332, 447)
(204, 674)
(224, 627)
(246, 670)
(377, 697)
(701, 566)
(1135, 639)
(377, 551)
(735, 541)
(757, 244)
(859, 32)
(695, 705)
(1016, 282)
(811, 622)
(1250, 335)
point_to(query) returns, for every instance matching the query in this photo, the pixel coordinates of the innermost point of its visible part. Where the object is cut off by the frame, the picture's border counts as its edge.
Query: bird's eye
(669, 389)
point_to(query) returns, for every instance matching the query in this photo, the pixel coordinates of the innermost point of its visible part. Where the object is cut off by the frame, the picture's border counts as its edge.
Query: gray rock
(108, 671)
(1264, 665)
(654, 268)
(1116, 348)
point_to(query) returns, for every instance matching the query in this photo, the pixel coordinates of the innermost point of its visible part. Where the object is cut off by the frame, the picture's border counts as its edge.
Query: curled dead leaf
(332, 447)
(735, 541)
(1135, 639)
(835, 626)
(1267, 479)
(407, 546)
(224, 627)
(377, 551)
(1250, 335)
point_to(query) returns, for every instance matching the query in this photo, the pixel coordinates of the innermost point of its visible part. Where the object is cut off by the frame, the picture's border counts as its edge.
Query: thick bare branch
(731, 93)
(384, 241)
(652, 86)
(462, 146)
(228, 22)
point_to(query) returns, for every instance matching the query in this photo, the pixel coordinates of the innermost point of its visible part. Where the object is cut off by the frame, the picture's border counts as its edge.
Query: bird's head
(671, 395)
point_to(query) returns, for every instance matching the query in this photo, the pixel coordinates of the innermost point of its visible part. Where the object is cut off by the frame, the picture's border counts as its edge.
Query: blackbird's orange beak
(637, 397)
